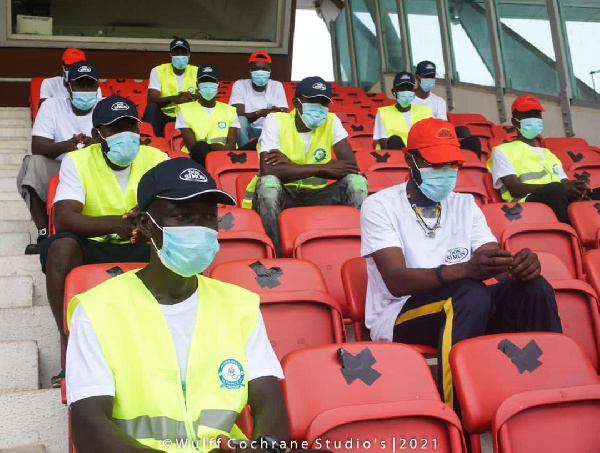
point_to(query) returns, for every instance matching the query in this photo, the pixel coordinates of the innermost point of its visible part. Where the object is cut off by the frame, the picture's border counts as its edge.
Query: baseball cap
(112, 108)
(526, 103)
(425, 68)
(312, 87)
(404, 77)
(260, 55)
(208, 70)
(435, 140)
(178, 179)
(179, 42)
(82, 69)
(72, 55)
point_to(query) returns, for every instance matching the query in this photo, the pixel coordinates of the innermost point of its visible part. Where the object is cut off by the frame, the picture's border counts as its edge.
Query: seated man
(164, 359)
(424, 96)
(207, 125)
(523, 171)
(97, 190)
(393, 122)
(170, 85)
(256, 97)
(61, 125)
(296, 161)
(428, 252)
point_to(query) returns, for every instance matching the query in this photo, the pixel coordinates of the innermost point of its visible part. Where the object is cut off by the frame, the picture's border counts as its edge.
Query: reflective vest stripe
(532, 175)
(217, 419)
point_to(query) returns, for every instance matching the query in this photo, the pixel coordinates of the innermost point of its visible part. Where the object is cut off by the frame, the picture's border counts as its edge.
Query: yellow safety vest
(211, 128)
(394, 122)
(150, 404)
(168, 84)
(530, 168)
(292, 145)
(103, 195)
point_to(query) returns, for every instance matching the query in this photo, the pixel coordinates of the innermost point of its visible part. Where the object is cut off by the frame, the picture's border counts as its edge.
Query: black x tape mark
(358, 366)
(114, 271)
(584, 176)
(146, 141)
(357, 128)
(512, 213)
(575, 157)
(266, 277)
(380, 157)
(226, 222)
(236, 158)
(597, 206)
(526, 358)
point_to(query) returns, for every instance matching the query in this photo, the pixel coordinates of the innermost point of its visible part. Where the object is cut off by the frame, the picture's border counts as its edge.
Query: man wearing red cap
(256, 97)
(428, 252)
(523, 171)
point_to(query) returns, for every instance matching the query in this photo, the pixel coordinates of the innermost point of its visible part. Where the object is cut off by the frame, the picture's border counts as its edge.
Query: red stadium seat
(588, 172)
(554, 142)
(475, 170)
(52, 186)
(480, 130)
(146, 129)
(226, 166)
(377, 180)
(493, 194)
(585, 218)
(241, 183)
(552, 266)
(591, 267)
(388, 161)
(392, 396)
(140, 101)
(504, 131)
(570, 156)
(465, 184)
(553, 361)
(169, 130)
(465, 119)
(361, 144)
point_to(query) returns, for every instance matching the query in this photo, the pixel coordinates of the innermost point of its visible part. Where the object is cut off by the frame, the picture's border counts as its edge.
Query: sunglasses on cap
(438, 166)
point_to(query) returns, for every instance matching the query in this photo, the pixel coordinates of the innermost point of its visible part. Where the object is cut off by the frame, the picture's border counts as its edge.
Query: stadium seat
(146, 129)
(585, 218)
(515, 363)
(569, 156)
(226, 166)
(52, 186)
(390, 162)
(377, 180)
(493, 142)
(552, 266)
(361, 144)
(140, 101)
(588, 172)
(464, 184)
(556, 142)
(591, 267)
(383, 391)
(170, 130)
(493, 194)
(476, 171)
(483, 131)
(504, 131)
(465, 119)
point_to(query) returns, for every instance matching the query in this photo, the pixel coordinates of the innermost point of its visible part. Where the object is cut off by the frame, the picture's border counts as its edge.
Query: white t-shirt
(379, 131)
(57, 121)
(437, 104)
(387, 220)
(181, 123)
(502, 165)
(154, 82)
(54, 87)
(89, 375)
(243, 93)
(269, 137)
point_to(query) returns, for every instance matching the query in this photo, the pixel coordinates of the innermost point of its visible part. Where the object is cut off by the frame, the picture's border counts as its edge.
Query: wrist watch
(273, 445)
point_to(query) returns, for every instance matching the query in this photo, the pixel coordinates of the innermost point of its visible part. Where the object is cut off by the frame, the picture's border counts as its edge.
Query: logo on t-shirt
(319, 86)
(119, 106)
(456, 255)
(231, 374)
(193, 174)
(222, 124)
(320, 154)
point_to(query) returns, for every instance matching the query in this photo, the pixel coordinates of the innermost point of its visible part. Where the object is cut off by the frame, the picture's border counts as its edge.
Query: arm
(189, 138)
(46, 147)
(252, 116)
(382, 142)
(343, 151)
(154, 97)
(268, 408)
(68, 217)
(518, 189)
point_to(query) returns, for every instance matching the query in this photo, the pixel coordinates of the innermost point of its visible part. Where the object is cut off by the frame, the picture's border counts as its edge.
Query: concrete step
(10, 196)
(33, 323)
(26, 265)
(8, 184)
(13, 131)
(12, 157)
(16, 290)
(9, 148)
(34, 418)
(13, 244)
(19, 370)
(14, 210)
(17, 226)
(24, 449)
(7, 113)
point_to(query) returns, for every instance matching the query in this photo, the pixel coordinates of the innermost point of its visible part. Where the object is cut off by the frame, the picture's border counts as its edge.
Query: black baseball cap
(425, 68)
(312, 87)
(178, 179)
(208, 70)
(179, 42)
(404, 77)
(83, 69)
(112, 108)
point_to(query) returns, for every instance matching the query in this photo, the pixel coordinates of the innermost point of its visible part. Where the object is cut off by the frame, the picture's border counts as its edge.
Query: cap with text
(208, 71)
(425, 68)
(177, 180)
(404, 77)
(113, 108)
(82, 69)
(72, 55)
(435, 140)
(527, 103)
(260, 55)
(312, 87)
(179, 42)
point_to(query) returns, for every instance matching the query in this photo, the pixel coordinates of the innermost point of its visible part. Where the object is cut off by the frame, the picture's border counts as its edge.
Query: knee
(532, 289)
(556, 190)
(395, 142)
(63, 255)
(462, 131)
(473, 298)
(152, 109)
(243, 122)
(357, 187)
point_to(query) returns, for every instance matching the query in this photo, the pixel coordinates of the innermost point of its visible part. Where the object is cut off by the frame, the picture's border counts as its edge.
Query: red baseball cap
(527, 103)
(260, 55)
(435, 140)
(72, 55)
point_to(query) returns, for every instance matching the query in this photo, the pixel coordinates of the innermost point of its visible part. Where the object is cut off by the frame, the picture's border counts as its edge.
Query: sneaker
(34, 249)
(56, 380)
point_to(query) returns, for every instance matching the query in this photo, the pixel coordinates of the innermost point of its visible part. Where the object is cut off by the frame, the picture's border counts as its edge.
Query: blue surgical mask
(427, 84)
(437, 184)
(123, 148)
(313, 115)
(260, 78)
(84, 100)
(180, 61)
(531, 127)
(208, 90)
(405, 98)
(187, 250)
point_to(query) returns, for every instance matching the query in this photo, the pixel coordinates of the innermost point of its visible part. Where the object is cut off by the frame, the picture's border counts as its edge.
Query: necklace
(429, 231)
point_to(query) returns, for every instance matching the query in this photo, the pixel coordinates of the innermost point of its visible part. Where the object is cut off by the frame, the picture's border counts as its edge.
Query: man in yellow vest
(170, 85)
(523, 171)
(207, 125)
(393, 122)
(97, 190)
(296, 159)
(164, 359)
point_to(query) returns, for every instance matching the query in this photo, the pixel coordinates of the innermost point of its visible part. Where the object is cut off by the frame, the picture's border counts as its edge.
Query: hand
(183, 97)
(226, 445)
(487, 263)
(73, 142)
(276, 157)
(123, 227)
(137, 236)
(575, 188)
(525, 266)
(85, 140)
(337, 169)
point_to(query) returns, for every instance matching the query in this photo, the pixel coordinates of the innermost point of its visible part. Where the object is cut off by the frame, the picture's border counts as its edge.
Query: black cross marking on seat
(379, 158)
(509, 128)
(575, 157)
(370, 115)
(584, 176)
(357, 128)
(512, 213)
(266, 277)
(114, 271)
(358, 366)
(236, 158)
(146, 141)
(597, 206)
(226, 222)
(526, 358)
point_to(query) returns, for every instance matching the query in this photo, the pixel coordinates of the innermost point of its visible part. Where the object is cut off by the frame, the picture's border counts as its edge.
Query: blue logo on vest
(555, 169)
(222, 124)
(231, 374)
(320, 154)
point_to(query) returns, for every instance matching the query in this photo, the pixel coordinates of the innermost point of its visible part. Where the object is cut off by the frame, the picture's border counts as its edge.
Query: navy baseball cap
(404, 77)
(113, 108)
(426, 68)
(83, 69)
(178, 179)
(208, 70)
(312, 87)
(179, 42)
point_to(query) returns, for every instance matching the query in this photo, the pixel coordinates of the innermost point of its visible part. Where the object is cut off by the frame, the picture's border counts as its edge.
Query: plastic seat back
(226, 166)
(492, 193)
(552, 266)
(591, 267)
(586, 171)
(354, 281)
(52, 186)
(570, 155)
(464, 119)
(562, 142)
(377, 180)
(585, 218)
(388, 161)
(501, 215)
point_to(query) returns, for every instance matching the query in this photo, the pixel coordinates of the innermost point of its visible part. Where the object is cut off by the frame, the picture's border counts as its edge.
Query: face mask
(187, 251)
(405, 98)
(427, 84)
(123, 148)
(83, 100)
(531, 127)
(208, 90)
(260, 78)
(437, 184)
(313, 115)
(180, 61)
(66, 73)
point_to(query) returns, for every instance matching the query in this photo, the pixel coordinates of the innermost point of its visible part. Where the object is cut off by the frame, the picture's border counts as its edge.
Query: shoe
(34, 249)
(56, 380)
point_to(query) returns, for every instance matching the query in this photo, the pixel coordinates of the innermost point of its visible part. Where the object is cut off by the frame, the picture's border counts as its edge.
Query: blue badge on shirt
(231, 374)
(320, 154)
(222, 124)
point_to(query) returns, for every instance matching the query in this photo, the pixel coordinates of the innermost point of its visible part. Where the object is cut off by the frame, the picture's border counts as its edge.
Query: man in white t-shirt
(219, 357)
(428, 252)
(256, 97)
(61, 125)
(425, 74)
